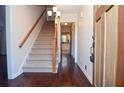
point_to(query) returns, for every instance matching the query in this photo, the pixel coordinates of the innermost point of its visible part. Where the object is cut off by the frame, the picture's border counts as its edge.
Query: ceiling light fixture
(65, 23)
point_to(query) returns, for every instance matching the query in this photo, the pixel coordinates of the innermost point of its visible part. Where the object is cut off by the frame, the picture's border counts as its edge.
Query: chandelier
(54, 12)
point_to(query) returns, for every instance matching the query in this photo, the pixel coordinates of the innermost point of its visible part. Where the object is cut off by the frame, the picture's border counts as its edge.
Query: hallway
(69, 75)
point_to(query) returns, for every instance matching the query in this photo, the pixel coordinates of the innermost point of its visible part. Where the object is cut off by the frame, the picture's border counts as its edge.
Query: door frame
(70, 38)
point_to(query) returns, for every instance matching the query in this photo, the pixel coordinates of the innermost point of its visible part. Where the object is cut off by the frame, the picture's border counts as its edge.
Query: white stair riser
(48, 29)
(39, 65)
(43, 42)
(39, 70)
(41, 51)
(34, 58)
(44, 38)
(47, 32)
(35, 67)
(46, 35)
(41, 56)
(39, 62)
(42, 46)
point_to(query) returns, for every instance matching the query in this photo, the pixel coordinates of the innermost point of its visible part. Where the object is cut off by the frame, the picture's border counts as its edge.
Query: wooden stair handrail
(54, 50)
(31, 30)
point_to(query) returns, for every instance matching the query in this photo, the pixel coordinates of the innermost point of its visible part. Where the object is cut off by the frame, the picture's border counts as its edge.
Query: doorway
(66, 37)
(3, 57)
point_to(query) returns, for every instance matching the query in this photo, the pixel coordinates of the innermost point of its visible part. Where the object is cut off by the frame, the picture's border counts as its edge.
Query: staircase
(40, 56)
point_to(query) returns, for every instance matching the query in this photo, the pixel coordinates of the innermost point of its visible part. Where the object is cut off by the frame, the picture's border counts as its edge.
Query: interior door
(99, 52)
(111, 46)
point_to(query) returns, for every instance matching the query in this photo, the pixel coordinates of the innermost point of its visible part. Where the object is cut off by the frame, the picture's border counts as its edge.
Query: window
(65, 38)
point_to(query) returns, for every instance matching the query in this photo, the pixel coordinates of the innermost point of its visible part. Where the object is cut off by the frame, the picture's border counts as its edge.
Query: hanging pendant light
(54, 9)
(49, 13)
(58, 13)
(54, 13)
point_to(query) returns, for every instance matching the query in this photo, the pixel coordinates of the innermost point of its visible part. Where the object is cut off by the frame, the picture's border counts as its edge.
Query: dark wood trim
(31, 30)
(71, 40)
(120, 61)
(61, 40)
(101, 10)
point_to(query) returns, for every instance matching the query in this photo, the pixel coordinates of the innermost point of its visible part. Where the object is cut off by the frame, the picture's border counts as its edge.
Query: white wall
(19, 21)
(85, 32)
(72, 17)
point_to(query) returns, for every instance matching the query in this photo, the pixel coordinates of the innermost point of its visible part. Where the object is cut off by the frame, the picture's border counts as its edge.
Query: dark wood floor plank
(69, 75)
(3, 67)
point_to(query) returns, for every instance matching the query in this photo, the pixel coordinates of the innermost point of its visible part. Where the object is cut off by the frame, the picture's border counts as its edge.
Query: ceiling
(69, 8)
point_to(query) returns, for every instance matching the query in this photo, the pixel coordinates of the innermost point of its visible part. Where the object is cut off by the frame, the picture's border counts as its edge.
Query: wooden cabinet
(109, 46)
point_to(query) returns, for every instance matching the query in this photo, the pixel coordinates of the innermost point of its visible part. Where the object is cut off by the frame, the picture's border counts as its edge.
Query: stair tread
(49, 50)
(40, 61)
(38, 65)
(44, 41)
(45, 38)
(46, 33)
(33, 53)
(40, 56)
(41, 48)
(43, 44)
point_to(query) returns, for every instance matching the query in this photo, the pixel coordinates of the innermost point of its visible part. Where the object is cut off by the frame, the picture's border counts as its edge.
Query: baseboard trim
(73, 59)
(85, 73)
(16, 74)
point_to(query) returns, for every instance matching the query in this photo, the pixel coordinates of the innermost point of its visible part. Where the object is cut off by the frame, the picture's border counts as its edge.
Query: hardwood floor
(69, 75)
